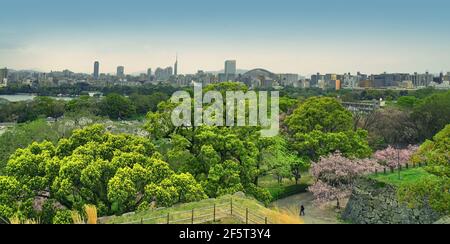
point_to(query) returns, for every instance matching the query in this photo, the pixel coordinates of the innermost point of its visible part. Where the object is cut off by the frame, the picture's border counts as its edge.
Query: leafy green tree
(407, 102)
(92, 167)
(297, 167)
(287, 104)
(122, 191)
(159, 124)
(147, 103)
(189, 190)
(117, 107)
(49, 107)
(63, 217)
(22, 135)
(322, 114)
(12, 196)
(432, 114)
(163, 196)
(430, 191)
(436, 154)
(434, 190)
(317, 143)
(84, 105)
(224, 179)
(275, 158)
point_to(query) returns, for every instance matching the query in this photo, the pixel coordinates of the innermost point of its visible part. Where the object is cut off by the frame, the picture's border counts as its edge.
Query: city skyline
(289, 36)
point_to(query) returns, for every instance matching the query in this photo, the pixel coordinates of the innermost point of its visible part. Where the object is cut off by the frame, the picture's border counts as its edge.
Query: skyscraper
(230, 67)
(3, 76)
(120, 72)
(149, 74)
(176, 66)
(96, 70)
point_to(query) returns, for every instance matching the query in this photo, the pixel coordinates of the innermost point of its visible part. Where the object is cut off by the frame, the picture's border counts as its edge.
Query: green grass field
(203, 213)
(406, 176)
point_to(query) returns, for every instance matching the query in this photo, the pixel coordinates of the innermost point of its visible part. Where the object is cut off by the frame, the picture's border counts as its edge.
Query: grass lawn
(203, 212)
(407, 176)
(286, 188)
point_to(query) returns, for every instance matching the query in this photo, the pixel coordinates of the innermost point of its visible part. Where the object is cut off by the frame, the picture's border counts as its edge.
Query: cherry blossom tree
(392, 157)
(335, 176)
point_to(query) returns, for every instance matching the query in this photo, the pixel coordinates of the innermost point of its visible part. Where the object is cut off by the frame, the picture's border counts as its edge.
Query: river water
(27, 97)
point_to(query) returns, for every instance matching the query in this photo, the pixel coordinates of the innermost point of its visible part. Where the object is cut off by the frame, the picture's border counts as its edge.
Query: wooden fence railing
(209, 214)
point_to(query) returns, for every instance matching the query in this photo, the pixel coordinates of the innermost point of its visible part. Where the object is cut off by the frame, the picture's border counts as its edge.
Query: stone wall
(373, 202)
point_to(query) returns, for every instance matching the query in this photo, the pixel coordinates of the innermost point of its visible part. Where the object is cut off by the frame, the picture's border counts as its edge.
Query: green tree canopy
(114, 172)
(320, 113)
(432, 114)
(117, 107)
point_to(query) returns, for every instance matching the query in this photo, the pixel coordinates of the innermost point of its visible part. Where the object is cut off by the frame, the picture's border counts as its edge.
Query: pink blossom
(392, 157)
(336, 174)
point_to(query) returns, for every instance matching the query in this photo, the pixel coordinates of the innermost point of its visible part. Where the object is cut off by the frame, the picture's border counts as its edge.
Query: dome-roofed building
(259, 78)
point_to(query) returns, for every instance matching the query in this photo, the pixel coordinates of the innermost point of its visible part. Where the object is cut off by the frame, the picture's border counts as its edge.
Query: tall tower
(230, 67)
(176, 66)
(96, 70)
(149, 74)
(3, 77)
(120, 72)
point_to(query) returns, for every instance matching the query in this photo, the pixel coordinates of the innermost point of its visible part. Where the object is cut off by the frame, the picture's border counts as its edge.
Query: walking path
(314, 215)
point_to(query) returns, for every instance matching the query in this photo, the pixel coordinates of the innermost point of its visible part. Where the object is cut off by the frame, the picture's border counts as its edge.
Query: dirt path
(314, 215)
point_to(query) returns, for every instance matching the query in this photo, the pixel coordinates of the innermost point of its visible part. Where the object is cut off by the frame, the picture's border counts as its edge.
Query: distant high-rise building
(315, 79)
(176, 67)
(149, 74)
(289, 79)
(230, 71)
(3, 76)
(163, 74)
(422, 80)
(441, 77)
(230, 67)
(96, 70)
(121, 72)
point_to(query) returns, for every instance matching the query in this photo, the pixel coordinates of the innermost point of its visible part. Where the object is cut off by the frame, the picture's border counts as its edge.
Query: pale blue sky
(284, 36)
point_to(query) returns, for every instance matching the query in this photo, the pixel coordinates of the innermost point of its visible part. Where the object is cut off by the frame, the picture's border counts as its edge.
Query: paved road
(314, 215)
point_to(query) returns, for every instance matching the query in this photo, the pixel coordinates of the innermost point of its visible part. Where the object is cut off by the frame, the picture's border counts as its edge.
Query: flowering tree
(392, 157)
(335, 176)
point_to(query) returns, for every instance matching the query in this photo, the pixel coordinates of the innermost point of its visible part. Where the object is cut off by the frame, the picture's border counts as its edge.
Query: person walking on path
(302, 210)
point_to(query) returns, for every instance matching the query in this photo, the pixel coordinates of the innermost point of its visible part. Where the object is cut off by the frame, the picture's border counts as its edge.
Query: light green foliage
(287, 104)
(10, 192)
(224, 179)
(93, 167)
(321, 126)
(163, 196)
(187, 187)
(433, 190)
(322, 114)
(122, 191)
(224, 159)
(436, 154)
(317, 143)
(407, 102)
(159, 123)
(63, 217)
(22, 135)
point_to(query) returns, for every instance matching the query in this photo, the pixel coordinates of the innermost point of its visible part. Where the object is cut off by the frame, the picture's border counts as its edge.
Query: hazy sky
(283, 36)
